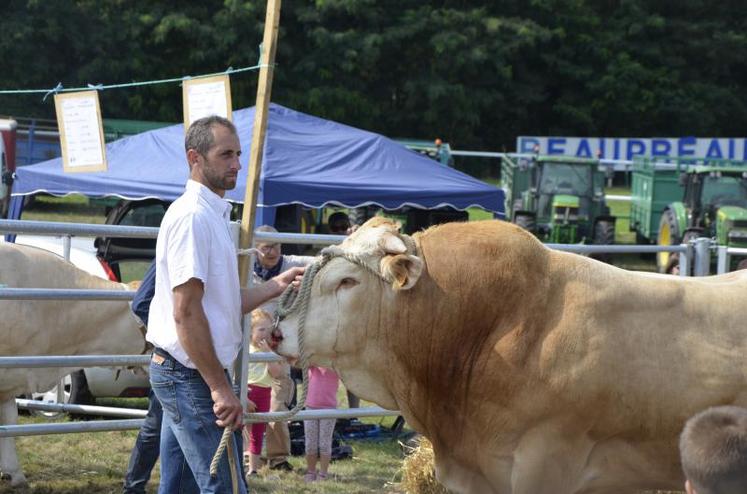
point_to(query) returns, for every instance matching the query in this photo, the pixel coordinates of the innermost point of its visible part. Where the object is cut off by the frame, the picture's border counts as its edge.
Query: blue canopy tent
(307, 160)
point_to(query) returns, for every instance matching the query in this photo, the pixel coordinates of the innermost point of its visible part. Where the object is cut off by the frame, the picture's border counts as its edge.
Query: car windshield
(564, 178)
(724, 191)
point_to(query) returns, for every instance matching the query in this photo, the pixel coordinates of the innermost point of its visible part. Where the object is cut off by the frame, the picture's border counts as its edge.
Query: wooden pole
(264, 91)
(246, 232)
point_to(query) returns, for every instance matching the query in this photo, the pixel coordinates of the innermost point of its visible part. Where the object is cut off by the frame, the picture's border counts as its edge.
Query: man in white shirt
(195, 313)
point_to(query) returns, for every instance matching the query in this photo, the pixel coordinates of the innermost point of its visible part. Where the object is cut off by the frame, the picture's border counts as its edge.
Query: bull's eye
(347, 283)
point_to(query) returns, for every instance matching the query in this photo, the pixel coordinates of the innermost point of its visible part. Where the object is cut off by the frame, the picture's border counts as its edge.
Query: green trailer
(655, 185)
(558, 198)
(675, 200)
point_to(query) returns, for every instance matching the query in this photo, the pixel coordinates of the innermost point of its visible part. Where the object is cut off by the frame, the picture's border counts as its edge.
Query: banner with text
(626, 148)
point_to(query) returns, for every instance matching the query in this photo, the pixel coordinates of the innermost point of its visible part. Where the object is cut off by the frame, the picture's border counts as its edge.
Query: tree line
(474, 73)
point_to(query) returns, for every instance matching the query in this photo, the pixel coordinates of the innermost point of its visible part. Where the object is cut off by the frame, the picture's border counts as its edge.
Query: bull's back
(647, 348)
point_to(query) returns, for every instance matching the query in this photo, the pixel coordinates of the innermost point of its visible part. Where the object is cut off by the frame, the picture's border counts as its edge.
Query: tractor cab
(561, 200)
(716, 199)
(564, 193)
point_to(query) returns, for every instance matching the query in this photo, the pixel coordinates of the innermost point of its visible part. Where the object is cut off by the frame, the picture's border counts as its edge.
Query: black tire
(526, 221)
(79, 392)
(668, 234)
(604, 234)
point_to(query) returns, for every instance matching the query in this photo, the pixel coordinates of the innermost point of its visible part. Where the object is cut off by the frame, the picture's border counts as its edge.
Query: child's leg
(260, 395)
(311, 444)
(326, 431)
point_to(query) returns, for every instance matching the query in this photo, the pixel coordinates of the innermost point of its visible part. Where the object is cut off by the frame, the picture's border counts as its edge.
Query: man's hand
(291, 277)
(259, 294)
(227, 408)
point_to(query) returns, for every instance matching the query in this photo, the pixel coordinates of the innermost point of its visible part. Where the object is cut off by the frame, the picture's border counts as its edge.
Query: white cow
(53, 327)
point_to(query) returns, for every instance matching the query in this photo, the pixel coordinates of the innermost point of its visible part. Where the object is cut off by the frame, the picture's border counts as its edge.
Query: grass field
(95, 463)
(69, 209)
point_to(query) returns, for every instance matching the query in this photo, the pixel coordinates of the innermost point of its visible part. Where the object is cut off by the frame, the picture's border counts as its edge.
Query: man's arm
(193, 331)
(259, 294)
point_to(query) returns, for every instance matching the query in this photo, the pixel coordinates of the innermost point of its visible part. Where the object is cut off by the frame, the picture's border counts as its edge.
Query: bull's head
(349, 303)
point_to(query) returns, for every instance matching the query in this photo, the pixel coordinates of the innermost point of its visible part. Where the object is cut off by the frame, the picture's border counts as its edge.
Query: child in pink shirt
(318, 433)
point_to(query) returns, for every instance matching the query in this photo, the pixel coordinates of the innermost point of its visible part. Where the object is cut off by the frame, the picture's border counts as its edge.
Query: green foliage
(474, 73)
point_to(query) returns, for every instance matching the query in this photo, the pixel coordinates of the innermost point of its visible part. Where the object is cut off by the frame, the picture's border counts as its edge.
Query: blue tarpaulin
(307, 160)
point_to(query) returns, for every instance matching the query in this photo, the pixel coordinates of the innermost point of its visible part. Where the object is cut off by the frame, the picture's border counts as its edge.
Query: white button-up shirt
(194, 241)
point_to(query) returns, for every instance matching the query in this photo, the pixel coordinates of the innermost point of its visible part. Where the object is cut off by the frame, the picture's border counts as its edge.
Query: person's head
(713, 449)
(261, 327)
(338, 223)
(269, 252)
(213, 151)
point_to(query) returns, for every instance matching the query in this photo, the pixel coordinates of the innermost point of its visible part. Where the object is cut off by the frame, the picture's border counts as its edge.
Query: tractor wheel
(604, 234)
(669, 234)
(526, 221)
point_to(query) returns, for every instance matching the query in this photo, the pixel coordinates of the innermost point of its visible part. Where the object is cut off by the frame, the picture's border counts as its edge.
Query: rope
(226, 442)
(100, 87)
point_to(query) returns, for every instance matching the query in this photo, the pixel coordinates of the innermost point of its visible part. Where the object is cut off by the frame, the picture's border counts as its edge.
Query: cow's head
(348, 305)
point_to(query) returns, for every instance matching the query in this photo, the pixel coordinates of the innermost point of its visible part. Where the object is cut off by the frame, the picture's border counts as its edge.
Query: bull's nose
(277, 335)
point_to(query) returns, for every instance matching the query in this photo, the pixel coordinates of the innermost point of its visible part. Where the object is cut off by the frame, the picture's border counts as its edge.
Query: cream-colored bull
(532, 371)
(54, 327)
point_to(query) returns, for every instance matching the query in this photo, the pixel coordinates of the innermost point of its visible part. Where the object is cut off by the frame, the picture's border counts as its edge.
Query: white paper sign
(206, 96)
(81, 131)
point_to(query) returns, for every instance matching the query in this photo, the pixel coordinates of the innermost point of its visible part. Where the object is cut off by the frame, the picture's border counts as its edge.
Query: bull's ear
(403, 270)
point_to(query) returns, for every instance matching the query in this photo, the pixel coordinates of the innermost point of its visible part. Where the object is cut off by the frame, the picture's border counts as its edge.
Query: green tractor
(713, 205)
(674, 200)
(558, 198)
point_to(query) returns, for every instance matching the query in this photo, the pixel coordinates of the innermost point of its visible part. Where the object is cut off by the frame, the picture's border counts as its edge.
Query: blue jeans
(145, 452)
(189, 434)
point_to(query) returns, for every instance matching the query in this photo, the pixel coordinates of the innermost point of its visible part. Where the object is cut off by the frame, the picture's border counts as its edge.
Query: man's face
(218, 170)
(269, 254)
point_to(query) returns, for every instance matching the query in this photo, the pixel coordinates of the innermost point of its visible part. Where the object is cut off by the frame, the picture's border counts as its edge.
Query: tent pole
(264, 91)
(246, 233)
